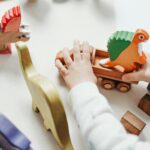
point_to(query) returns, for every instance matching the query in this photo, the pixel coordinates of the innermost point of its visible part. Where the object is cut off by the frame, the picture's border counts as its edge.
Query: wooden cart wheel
(107, 84)
(123, 87)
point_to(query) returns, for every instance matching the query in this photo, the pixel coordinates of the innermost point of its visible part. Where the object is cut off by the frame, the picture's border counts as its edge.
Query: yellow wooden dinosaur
(45, 99)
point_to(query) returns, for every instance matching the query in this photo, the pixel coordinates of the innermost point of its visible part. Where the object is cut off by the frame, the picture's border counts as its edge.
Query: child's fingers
(134, 76)
(76, 51)
(61, 67)
(67, 57)
(86, 51)
(91, 49)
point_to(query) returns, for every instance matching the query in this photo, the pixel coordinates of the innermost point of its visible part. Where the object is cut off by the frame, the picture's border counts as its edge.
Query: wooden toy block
(111, 77)
(132, 123)
(145, 104)
(45, 99)
(148, 87)
(11, 30)
(10, 137)
(124, 50)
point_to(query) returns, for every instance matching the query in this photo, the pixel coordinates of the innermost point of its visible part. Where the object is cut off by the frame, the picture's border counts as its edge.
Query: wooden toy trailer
(111, 78)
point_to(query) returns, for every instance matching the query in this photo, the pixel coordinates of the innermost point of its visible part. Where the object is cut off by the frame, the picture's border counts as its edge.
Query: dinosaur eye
(141, 37)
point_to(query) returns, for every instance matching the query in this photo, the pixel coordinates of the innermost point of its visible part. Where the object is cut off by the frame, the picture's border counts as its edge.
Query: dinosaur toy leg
(121, 68)
(110, 64)
(106, 63)
(6, 50)
(131, 68)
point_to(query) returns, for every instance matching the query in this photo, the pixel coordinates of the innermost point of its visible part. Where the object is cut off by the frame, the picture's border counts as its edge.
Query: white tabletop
(54, 25)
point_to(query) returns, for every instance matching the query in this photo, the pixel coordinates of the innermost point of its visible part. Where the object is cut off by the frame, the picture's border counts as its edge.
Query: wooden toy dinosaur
(45, 99)
(125, 50)
(11, 30)
(10, 137)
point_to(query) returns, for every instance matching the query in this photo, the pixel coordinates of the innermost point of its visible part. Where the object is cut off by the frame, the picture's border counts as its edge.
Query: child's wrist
(82, 82)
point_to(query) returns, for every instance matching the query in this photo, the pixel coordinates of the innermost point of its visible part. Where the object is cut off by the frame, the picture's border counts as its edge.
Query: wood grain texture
(132, 123)
(145, 104)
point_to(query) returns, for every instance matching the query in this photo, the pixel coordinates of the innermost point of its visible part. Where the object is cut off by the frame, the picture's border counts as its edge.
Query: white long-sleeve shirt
(100, 129)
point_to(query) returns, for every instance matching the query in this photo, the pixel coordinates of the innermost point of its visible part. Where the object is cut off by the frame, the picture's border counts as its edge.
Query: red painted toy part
(7, 50)
(11, 20)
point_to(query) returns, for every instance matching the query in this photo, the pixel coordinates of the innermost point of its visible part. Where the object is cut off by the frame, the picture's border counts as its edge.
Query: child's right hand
(78, 70)
(141, 75)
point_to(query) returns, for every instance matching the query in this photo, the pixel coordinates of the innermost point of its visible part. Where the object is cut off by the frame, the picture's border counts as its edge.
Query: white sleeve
(100, 129)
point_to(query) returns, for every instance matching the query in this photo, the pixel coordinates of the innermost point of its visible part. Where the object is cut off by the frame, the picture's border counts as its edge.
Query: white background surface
(55, 24)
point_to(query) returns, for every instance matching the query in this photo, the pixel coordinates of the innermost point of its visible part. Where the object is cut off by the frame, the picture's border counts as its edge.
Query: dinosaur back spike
(11, 20)
(118, 42)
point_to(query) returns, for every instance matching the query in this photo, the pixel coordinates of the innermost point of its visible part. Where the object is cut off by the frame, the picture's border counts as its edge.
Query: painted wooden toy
(148, 87)
(111, 78)
(125, 50)
(45, 99)
(11, 30)
(10, 137)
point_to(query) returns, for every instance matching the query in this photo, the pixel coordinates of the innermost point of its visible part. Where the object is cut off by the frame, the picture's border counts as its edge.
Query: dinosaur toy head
(140, 36)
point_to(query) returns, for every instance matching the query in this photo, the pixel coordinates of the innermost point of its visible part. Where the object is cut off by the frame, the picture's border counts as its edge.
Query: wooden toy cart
(111, 78)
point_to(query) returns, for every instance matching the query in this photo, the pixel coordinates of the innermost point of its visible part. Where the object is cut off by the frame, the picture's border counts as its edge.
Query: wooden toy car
(111, 78)
(10, 137)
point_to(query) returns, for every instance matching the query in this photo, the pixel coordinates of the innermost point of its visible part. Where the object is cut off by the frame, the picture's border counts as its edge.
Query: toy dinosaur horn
(11, 20)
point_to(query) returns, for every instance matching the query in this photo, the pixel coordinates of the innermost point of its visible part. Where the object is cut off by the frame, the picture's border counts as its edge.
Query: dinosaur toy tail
(11, 20)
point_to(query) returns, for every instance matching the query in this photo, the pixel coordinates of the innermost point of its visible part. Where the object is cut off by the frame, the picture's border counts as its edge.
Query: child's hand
(78, 70)
(141, 75)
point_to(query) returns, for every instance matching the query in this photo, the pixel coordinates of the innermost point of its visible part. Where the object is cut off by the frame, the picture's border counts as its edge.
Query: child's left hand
(142, 75)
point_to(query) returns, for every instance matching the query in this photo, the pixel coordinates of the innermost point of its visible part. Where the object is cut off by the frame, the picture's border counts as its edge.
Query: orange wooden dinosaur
(125, 50)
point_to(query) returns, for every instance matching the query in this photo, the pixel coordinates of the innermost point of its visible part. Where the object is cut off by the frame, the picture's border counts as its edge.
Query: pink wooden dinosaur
(11, 30)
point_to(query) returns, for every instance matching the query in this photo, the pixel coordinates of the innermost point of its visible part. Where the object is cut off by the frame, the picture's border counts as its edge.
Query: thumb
(134, 76)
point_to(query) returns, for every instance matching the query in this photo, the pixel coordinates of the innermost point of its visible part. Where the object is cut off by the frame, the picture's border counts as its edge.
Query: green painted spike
(118, 42)
(130, 36)
(119, 35)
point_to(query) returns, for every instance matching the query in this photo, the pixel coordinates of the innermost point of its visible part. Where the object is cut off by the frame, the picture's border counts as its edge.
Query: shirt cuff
(82, 92)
